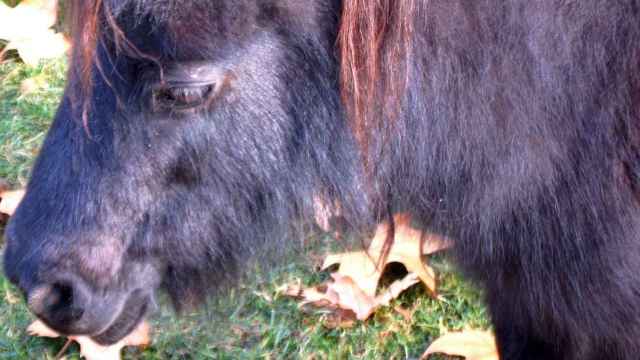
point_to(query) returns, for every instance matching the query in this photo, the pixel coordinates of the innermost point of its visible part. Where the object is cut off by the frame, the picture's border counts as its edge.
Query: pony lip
(132, 313)
(74, 311)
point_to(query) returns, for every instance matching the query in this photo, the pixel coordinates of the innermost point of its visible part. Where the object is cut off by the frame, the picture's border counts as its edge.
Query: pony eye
(182, 97)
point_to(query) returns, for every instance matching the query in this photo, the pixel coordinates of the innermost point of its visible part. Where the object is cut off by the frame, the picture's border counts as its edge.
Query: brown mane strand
(375, 45)
(88, 20)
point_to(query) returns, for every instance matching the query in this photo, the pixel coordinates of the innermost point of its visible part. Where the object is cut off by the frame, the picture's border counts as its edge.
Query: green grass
(248, 322)
(26, 115)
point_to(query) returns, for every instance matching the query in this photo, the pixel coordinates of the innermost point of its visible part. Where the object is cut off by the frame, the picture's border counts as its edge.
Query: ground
(248, 322)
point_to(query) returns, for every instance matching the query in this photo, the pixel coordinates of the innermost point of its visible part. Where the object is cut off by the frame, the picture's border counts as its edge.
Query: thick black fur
(518, 137)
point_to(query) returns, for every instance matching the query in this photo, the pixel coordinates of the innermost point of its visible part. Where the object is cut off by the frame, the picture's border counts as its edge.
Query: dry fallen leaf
(363, 267)
(91, 350)
(308, 295)
(9, 201)
(344, 294)
(27, 28)
(396, 288)
(470, 344)
(349, 296)
(38, 328)
(339, 319)
(355, 283)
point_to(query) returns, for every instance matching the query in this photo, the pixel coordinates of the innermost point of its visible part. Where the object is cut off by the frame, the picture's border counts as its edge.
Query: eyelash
(182, 97)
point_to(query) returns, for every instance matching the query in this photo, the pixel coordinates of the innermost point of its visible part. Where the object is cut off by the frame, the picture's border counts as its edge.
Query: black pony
(194, 133)
(191, 133)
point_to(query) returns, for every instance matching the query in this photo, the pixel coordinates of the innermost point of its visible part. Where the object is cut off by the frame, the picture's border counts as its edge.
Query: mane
(93, 22)
(375, 41)
(84, 18)
(374, 44)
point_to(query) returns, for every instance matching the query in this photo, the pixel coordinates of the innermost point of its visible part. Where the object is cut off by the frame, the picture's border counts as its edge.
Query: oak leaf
(353, 286)
(91, 350)
(408, 248)
(349, 296)
(470, 344)
(344, 294)
(27, 28)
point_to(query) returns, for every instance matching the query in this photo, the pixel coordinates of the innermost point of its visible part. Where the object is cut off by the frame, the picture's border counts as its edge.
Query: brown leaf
(396, 288)
(344, 294)
(9, 201)
(470, 344)
(307, 295)
(340, 318)
(38, 328)
(321, 297)
(355, 283)
(363, 267)
(350, 297)
(140, 337)
(27, 28)
(357, 266)
(92, 350)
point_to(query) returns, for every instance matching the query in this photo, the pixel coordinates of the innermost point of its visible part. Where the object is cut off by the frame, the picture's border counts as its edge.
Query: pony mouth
(132, 314)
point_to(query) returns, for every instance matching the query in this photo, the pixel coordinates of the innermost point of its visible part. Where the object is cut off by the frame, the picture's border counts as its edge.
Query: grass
(28, 99)
(248, 322)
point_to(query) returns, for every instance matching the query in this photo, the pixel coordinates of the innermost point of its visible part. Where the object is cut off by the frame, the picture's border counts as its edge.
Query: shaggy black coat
(212, 124)
(519, 138)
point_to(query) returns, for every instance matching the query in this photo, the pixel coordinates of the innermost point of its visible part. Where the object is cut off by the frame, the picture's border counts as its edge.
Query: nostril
(61, 300)
(56, 302)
